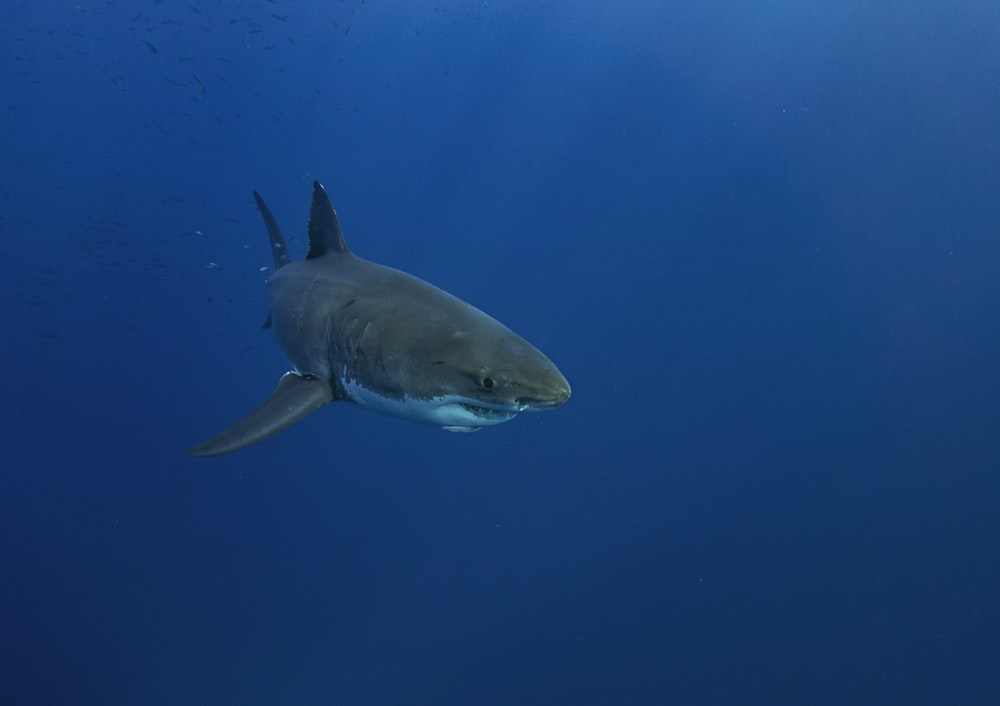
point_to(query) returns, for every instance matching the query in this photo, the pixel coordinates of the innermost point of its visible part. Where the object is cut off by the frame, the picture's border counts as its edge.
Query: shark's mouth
(489, 414)
(457, 413)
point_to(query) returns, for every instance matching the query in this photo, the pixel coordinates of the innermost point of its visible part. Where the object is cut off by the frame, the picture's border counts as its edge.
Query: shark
(370, 335)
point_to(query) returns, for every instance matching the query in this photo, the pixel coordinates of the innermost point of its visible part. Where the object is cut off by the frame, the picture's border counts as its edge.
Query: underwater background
(761, 240)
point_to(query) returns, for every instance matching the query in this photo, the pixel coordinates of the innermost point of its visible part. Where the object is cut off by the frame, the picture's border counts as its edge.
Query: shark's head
(480, 380)
(460, 373)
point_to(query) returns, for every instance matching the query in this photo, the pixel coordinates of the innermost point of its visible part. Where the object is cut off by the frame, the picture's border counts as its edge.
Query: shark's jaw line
(451, 412)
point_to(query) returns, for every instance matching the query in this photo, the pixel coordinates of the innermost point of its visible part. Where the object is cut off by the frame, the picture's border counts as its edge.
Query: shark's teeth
(496, 415)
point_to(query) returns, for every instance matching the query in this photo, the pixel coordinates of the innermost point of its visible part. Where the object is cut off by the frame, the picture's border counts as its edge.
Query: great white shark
(359, 332)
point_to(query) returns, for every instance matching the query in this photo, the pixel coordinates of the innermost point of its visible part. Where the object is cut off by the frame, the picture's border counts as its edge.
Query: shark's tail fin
(278, 247)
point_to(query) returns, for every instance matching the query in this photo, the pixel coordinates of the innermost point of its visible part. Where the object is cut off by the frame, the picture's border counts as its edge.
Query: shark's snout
(553, 393)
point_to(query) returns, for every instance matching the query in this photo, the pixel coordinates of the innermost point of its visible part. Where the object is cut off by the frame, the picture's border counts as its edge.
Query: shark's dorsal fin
(325, 235)
(278, 247)
(296, 397)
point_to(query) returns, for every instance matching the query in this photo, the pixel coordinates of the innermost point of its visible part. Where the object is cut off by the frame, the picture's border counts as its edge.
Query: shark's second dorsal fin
(278, 247)
(325, 235)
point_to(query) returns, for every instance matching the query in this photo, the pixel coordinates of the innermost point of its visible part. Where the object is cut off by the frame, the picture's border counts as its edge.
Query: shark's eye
(487, 383)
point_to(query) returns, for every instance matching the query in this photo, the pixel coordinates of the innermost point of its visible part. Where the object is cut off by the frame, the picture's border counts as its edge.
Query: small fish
(201, 86)
(151, 47)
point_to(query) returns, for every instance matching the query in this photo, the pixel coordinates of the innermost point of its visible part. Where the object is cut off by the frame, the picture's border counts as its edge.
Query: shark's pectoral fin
(295, 397)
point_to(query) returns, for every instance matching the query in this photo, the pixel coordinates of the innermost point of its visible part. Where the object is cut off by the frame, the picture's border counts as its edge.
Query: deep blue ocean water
(761, 239)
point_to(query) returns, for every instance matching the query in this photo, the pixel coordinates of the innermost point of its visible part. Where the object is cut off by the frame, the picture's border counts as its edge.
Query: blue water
(760, 239)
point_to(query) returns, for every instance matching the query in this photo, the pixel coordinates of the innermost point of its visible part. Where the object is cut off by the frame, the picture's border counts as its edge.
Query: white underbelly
(451, 413)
